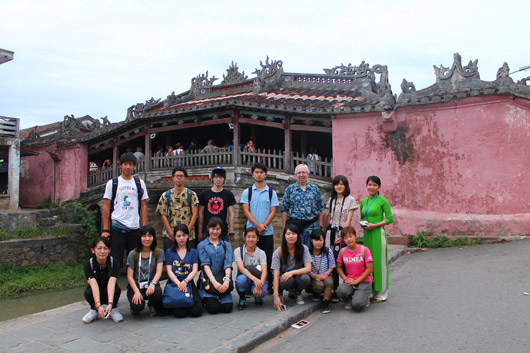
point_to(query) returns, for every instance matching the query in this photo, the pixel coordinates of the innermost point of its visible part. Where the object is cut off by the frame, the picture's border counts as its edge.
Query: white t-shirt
(126, 203)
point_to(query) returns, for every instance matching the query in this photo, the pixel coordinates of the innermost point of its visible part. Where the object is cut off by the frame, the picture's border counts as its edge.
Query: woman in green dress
(375, 214)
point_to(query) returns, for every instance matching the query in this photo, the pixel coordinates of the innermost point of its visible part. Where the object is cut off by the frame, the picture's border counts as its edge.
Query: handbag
(174, 298)
(208, 286)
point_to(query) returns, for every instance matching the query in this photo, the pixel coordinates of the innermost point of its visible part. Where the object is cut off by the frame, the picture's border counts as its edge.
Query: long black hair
(184, 229)
(336, 180)
(298, 247)
(142, 231)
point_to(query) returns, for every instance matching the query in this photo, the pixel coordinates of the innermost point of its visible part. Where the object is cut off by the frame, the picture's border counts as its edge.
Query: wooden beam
(261, 123)
(288, 144)
(311, 128)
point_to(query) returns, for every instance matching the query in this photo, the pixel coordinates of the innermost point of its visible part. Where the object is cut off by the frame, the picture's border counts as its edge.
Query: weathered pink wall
(37, 174)
(466, 157)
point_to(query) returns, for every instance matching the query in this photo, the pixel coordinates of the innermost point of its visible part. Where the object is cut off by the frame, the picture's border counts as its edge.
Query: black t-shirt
(216, 205)
(102, 275)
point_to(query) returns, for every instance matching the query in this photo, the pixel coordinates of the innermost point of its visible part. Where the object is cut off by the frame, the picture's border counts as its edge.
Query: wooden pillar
(303, 142)
(115, 157)
(147, 149)
(287, 158)
(235, 139)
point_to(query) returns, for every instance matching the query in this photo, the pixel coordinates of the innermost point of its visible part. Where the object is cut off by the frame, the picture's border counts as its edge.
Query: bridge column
(147, 149)
(236, 137)
(115, 157)
(287, 158)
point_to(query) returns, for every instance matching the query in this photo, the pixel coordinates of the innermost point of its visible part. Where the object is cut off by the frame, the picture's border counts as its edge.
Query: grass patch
(421, 240)
(30, 279)
(22, 232)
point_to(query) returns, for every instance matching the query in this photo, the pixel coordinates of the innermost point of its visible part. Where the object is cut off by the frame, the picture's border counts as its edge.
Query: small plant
(420, 240)
(48, 204)
(359, 240)
(76, 213)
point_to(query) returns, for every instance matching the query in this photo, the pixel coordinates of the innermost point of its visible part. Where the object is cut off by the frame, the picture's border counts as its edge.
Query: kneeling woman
(216, 259)
(101, 272)
(323, 264)
(357, 287)
(252, 267)
(291, 264)
(144, 269)
(182, 264)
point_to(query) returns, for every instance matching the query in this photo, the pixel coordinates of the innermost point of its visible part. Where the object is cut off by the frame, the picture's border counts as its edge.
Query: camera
(363, 223)
(144, 285)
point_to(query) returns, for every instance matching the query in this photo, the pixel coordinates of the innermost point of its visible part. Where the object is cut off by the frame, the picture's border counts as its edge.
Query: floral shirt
(179, 209)
(302, 204)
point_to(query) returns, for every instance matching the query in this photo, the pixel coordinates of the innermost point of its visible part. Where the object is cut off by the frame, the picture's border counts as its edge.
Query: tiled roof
(306, 100)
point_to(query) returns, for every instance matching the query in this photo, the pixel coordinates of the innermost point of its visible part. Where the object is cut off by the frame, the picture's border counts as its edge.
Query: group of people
(317, 247)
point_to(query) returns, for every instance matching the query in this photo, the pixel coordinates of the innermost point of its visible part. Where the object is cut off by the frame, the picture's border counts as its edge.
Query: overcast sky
(100, 57)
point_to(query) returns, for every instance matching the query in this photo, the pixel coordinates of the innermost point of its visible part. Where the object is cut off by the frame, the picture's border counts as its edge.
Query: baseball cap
(219, 171)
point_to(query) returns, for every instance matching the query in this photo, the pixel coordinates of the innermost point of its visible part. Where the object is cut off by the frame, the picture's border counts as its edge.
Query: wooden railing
(273, 159)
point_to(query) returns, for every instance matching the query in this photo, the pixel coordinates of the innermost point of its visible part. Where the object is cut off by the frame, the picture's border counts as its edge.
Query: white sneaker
(300, 299)
(90, 317)
(116, 315)
(348, 306)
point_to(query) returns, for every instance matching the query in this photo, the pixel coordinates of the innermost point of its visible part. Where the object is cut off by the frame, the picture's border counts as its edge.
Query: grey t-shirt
(146, 273)
(258, 258)
(277, 264)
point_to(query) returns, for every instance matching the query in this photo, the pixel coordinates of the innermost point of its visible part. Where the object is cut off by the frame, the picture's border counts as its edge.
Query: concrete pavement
(61, 329)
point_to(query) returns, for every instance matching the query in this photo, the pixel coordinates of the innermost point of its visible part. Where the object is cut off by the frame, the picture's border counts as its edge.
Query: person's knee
(241, 283)
(180, 313)
(136, 308)
(226, 307)
(317, 286)
(303, 282)
(212, 305)
(196, 311)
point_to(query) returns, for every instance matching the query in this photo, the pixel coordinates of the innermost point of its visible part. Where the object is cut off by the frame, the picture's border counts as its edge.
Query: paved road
(441, 300)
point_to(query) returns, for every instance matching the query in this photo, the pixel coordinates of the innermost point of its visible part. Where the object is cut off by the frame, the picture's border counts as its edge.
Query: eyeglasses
(179, 176)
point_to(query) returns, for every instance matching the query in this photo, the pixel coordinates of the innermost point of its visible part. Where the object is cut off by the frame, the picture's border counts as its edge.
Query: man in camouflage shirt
(183, 207)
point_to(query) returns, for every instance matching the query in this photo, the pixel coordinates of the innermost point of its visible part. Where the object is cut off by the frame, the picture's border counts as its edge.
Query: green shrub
(76, 213)
(420, 240)
(23, 280)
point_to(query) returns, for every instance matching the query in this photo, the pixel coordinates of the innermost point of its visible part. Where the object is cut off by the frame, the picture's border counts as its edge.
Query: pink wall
(37, 174)
(469, 156)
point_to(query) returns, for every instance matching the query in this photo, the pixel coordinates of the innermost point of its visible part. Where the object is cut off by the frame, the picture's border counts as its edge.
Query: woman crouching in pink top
(357, 287)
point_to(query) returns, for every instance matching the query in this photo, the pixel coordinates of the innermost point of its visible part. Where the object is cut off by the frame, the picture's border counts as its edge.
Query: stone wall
(42, 252)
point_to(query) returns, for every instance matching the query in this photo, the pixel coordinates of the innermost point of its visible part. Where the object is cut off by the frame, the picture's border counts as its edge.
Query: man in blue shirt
(302, 204)
(259, 206)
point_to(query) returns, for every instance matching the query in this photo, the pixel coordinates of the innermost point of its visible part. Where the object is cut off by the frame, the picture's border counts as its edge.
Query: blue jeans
(245, 285)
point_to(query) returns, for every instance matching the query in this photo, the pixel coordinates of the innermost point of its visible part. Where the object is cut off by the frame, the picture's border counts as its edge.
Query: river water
(35, 303)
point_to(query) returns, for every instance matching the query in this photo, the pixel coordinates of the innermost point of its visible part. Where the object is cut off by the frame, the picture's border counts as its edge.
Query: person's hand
(286, 276)
(370, 226)
(338, 240)
(107, 311)
(101, 312)
(231, 237)
(150, 290)
(261, 228)
(257, 292)
(277, 303)
(258, 284)
(183, 286)
(105, 234)
(137, 298)
(349, 281)
(224, 286)
(324, 276)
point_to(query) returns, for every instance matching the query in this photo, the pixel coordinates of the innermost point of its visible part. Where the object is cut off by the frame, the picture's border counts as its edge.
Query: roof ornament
(362, 70)
(269, 75)
(202, 85)
(233, 75)
(468, 71)
(407, 87)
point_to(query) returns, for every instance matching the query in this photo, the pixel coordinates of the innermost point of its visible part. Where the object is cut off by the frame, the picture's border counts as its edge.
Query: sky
(99, 57)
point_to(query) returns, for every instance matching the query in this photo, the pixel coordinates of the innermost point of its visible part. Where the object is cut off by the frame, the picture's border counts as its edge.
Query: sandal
(375, 301)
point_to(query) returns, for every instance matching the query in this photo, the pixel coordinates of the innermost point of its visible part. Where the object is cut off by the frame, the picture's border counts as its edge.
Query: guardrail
(273, 159)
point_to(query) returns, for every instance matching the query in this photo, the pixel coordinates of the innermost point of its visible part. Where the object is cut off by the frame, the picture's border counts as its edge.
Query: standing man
(217, 202)
(259, 206)
(178, 205)
(124, 208)
(302, 204)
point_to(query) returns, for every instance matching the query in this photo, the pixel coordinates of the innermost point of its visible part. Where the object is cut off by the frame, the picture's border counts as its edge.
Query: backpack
(189, 194)
(91, 260)
(115, 188)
